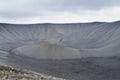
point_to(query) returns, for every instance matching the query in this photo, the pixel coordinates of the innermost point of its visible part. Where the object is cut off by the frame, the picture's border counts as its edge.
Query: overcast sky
(59, 11)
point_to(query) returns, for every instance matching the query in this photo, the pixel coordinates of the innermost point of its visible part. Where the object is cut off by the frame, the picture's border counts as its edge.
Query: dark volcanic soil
(73, 69)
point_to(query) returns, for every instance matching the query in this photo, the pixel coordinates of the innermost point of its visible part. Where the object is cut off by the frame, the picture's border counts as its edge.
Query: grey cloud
(90, 4)
(66, 5)
(33, 8)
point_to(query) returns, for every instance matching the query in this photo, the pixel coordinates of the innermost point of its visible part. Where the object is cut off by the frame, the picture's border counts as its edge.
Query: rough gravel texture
(9, 73)
(106, 68)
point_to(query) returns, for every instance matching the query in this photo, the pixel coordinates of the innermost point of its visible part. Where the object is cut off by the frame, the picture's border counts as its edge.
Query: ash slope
(97, 39)
(87, 39)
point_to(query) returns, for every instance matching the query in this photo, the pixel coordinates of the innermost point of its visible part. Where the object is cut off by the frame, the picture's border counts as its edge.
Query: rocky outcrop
(9, 73)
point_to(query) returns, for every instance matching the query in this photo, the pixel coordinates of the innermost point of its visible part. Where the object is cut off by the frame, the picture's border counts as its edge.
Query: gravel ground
(9, 73)
(103, 68)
